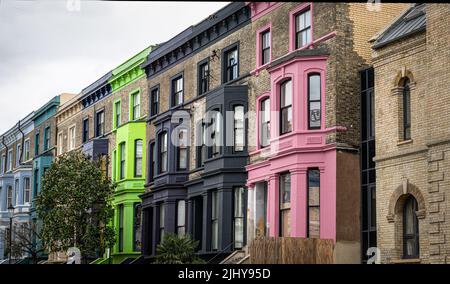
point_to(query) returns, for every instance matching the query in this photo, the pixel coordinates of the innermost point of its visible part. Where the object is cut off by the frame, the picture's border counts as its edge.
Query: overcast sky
(50, 47)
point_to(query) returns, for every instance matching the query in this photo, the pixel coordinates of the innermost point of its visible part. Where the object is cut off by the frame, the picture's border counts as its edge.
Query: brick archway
(399, 196)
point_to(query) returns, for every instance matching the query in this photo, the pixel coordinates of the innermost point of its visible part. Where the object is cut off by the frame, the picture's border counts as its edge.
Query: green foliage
(177, 250)
(74, 205)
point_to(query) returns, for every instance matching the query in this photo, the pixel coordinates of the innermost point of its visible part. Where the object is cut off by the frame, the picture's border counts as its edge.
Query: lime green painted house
(128, 83)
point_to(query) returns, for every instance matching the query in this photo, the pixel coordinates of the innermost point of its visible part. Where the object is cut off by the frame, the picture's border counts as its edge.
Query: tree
(24, 242)
(177, 250)
(74, 205)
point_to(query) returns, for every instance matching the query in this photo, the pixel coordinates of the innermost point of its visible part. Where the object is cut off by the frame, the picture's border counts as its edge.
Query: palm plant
(177, 250)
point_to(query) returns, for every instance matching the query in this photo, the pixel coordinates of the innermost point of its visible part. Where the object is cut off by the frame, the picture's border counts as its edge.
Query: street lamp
(11, 215)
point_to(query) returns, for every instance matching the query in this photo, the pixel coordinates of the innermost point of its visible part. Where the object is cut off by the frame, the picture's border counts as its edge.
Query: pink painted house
(304, 170)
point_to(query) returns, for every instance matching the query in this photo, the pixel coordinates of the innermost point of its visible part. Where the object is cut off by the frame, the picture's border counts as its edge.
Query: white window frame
(60, 143)
(72, 138)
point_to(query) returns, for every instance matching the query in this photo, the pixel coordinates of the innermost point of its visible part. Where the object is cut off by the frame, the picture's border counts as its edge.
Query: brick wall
(422, 163)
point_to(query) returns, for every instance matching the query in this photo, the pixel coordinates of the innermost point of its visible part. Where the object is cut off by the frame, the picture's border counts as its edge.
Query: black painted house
(210, 206)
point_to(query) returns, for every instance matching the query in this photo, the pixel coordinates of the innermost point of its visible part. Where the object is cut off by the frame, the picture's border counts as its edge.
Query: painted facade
(303, 165)
(189, 189)
(15, 179)
(128, 148)
(303, 174)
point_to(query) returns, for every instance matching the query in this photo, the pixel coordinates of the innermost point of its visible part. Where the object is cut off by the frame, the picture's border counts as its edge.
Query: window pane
(286, 119)
(181, 213)
(314, 222)
(286, 93)
(266, 40)
(183, 158)
(314, 87)
(239, 128)
(285, 188)
(314, 114)
(239, 202)
(238, 232)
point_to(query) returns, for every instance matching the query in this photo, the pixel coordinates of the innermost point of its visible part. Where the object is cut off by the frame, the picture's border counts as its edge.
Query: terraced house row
(260, 121)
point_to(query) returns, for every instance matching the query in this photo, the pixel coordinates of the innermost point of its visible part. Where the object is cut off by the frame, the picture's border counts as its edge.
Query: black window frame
(154, 103)
(281, 200)
(287, 107)
(85, 129)
(47, 138)
(202, 154)
(137, 220)
(152, 161)
(225, 66)
(310, 101)
(37, 138)
(263, 50)
(97, 124)
(297, 33)
(121, 212)
(308, 185)
(203, 76)
(173, 94)
(406, 99)
(415, 235)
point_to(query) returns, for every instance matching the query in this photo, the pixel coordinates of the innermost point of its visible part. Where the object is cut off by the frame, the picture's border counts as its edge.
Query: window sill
(406, 261)
(404, 142)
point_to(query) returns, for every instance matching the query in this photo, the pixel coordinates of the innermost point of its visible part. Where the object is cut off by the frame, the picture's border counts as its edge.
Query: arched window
(410, 228)
(406, 110)
(286, 107)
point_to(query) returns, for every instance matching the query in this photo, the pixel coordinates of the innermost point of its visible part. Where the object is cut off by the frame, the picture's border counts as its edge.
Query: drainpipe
(6, 152)
(22, 143)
